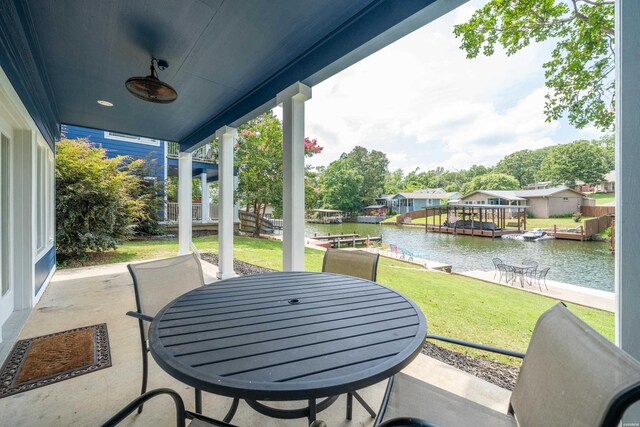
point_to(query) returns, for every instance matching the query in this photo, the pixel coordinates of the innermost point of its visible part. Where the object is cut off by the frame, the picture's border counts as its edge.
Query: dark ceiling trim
(371, 22)
(26, 74)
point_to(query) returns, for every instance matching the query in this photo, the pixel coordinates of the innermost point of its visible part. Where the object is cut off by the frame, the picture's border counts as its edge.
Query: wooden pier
(339, 240)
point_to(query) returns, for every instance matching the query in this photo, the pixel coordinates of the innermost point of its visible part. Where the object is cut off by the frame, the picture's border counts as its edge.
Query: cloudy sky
(424, 104)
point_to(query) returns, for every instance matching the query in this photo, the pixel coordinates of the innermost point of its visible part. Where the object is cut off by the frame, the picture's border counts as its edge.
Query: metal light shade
(151, 89)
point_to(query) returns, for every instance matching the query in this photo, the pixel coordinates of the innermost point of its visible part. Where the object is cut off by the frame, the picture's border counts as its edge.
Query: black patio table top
(287, 336)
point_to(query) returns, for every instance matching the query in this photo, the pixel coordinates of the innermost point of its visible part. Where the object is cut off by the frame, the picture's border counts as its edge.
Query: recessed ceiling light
(105, 103)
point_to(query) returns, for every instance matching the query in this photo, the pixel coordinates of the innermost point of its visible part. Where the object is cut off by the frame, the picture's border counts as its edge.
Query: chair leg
(364, 404)
(145, 374)
(232, 410)
(349, 406)
(198, 401)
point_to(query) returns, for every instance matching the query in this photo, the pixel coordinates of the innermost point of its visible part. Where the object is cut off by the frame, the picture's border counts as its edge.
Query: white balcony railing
(196, 212)
(205, 154)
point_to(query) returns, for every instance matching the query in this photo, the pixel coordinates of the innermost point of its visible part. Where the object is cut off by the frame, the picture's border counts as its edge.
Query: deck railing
(172, 210)
(205, 154)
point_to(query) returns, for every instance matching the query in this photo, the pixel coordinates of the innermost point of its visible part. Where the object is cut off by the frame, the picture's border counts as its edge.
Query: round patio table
(287, 336)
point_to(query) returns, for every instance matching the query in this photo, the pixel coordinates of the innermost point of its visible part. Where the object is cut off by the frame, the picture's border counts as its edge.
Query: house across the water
(416, 200)
(545, 203)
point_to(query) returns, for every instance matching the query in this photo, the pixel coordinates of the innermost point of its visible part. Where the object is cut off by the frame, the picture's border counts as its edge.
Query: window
(565, 199)
(130, 138)
(45, 203)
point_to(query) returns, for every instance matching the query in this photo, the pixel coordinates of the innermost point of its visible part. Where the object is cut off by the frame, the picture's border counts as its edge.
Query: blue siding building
(117, 144)
(163, 154)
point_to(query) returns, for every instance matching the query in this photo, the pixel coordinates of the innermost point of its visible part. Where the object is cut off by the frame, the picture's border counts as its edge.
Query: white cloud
(423, 103)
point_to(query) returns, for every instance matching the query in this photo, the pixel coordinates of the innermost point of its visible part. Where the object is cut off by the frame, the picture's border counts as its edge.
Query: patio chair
(571, 375)
(394, 250)
(542, 276)
(507, 272)
(531, 272)
(156, 283)
(182, 415)
(351, 263)
(357, 264)
(406, 254)
(496, 262)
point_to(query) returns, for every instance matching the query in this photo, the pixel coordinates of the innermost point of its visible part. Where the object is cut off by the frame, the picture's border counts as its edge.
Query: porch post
(236, 208)
(204, 201)
(226, 136)
(292, 100)
(627, 230)
(184, 202)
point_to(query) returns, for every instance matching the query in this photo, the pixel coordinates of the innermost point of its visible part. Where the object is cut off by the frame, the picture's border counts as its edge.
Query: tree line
(358, 177)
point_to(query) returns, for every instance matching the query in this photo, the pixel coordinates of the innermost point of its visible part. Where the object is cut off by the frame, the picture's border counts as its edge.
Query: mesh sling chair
(182, 415)
(571, 375)
(156, 283)
(357, 264)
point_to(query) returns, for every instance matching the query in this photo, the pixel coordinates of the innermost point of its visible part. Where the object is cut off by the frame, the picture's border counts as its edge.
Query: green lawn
(602, 198)
(455, 306)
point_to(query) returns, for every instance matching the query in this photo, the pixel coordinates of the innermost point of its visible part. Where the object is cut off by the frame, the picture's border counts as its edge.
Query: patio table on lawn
(520, 270)
(287, 336)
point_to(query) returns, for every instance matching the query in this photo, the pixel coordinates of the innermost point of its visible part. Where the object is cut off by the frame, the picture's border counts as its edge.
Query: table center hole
(294, 301)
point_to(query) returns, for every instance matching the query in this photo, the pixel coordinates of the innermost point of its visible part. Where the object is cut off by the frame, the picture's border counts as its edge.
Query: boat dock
(341, 240)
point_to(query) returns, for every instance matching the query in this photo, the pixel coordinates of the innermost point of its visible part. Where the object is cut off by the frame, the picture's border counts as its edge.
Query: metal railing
(206, 153)
(173, 211)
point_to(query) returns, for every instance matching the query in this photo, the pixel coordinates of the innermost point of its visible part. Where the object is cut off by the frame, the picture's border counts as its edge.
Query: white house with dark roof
(542, 203)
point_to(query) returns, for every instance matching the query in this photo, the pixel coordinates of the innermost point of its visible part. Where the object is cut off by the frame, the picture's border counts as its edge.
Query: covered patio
(86, 296)
(67, 62)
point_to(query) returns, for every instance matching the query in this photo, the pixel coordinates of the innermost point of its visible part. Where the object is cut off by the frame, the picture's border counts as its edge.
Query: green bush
(577, 216)
(95, 210)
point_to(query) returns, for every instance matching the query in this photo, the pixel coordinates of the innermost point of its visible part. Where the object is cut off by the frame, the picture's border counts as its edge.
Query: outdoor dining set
(526, 272)
(313, 337)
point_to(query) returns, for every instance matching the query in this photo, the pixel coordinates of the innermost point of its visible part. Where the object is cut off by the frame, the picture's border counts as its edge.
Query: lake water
(586, 264)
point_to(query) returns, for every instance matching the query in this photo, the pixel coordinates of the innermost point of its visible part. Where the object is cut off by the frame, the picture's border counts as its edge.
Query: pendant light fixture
(151, 88)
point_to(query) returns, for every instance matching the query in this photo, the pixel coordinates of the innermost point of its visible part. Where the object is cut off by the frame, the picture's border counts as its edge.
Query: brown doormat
(40, 361)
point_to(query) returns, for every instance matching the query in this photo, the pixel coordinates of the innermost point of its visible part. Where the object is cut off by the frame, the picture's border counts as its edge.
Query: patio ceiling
(227, 59)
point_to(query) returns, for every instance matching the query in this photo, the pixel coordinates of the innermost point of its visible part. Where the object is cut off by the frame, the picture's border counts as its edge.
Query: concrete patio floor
(87, 296)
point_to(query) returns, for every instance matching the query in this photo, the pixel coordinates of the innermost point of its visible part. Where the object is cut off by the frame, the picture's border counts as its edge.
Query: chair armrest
(140, 316)
(407, 422)
(477, 346)
(124, 412)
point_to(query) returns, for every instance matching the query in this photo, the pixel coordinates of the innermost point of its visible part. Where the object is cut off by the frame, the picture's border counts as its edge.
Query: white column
(184, 202)
(226, 136)
(236, 208)
(204, 201)
(627, 45)
(292, 100)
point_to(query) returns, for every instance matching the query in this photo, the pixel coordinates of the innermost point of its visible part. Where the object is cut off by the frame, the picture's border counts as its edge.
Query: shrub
(94, 207)
(148, 192)
(577, 216)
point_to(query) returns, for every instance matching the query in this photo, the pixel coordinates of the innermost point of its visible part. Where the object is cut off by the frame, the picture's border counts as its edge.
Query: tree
(259, 160)
(258, 157)
(492, 181)
(95, 210)
(579, 75)
(148, 192)
(582, 160)
(523, 165)
(340, 186)
(393, 183)
(373, 167)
